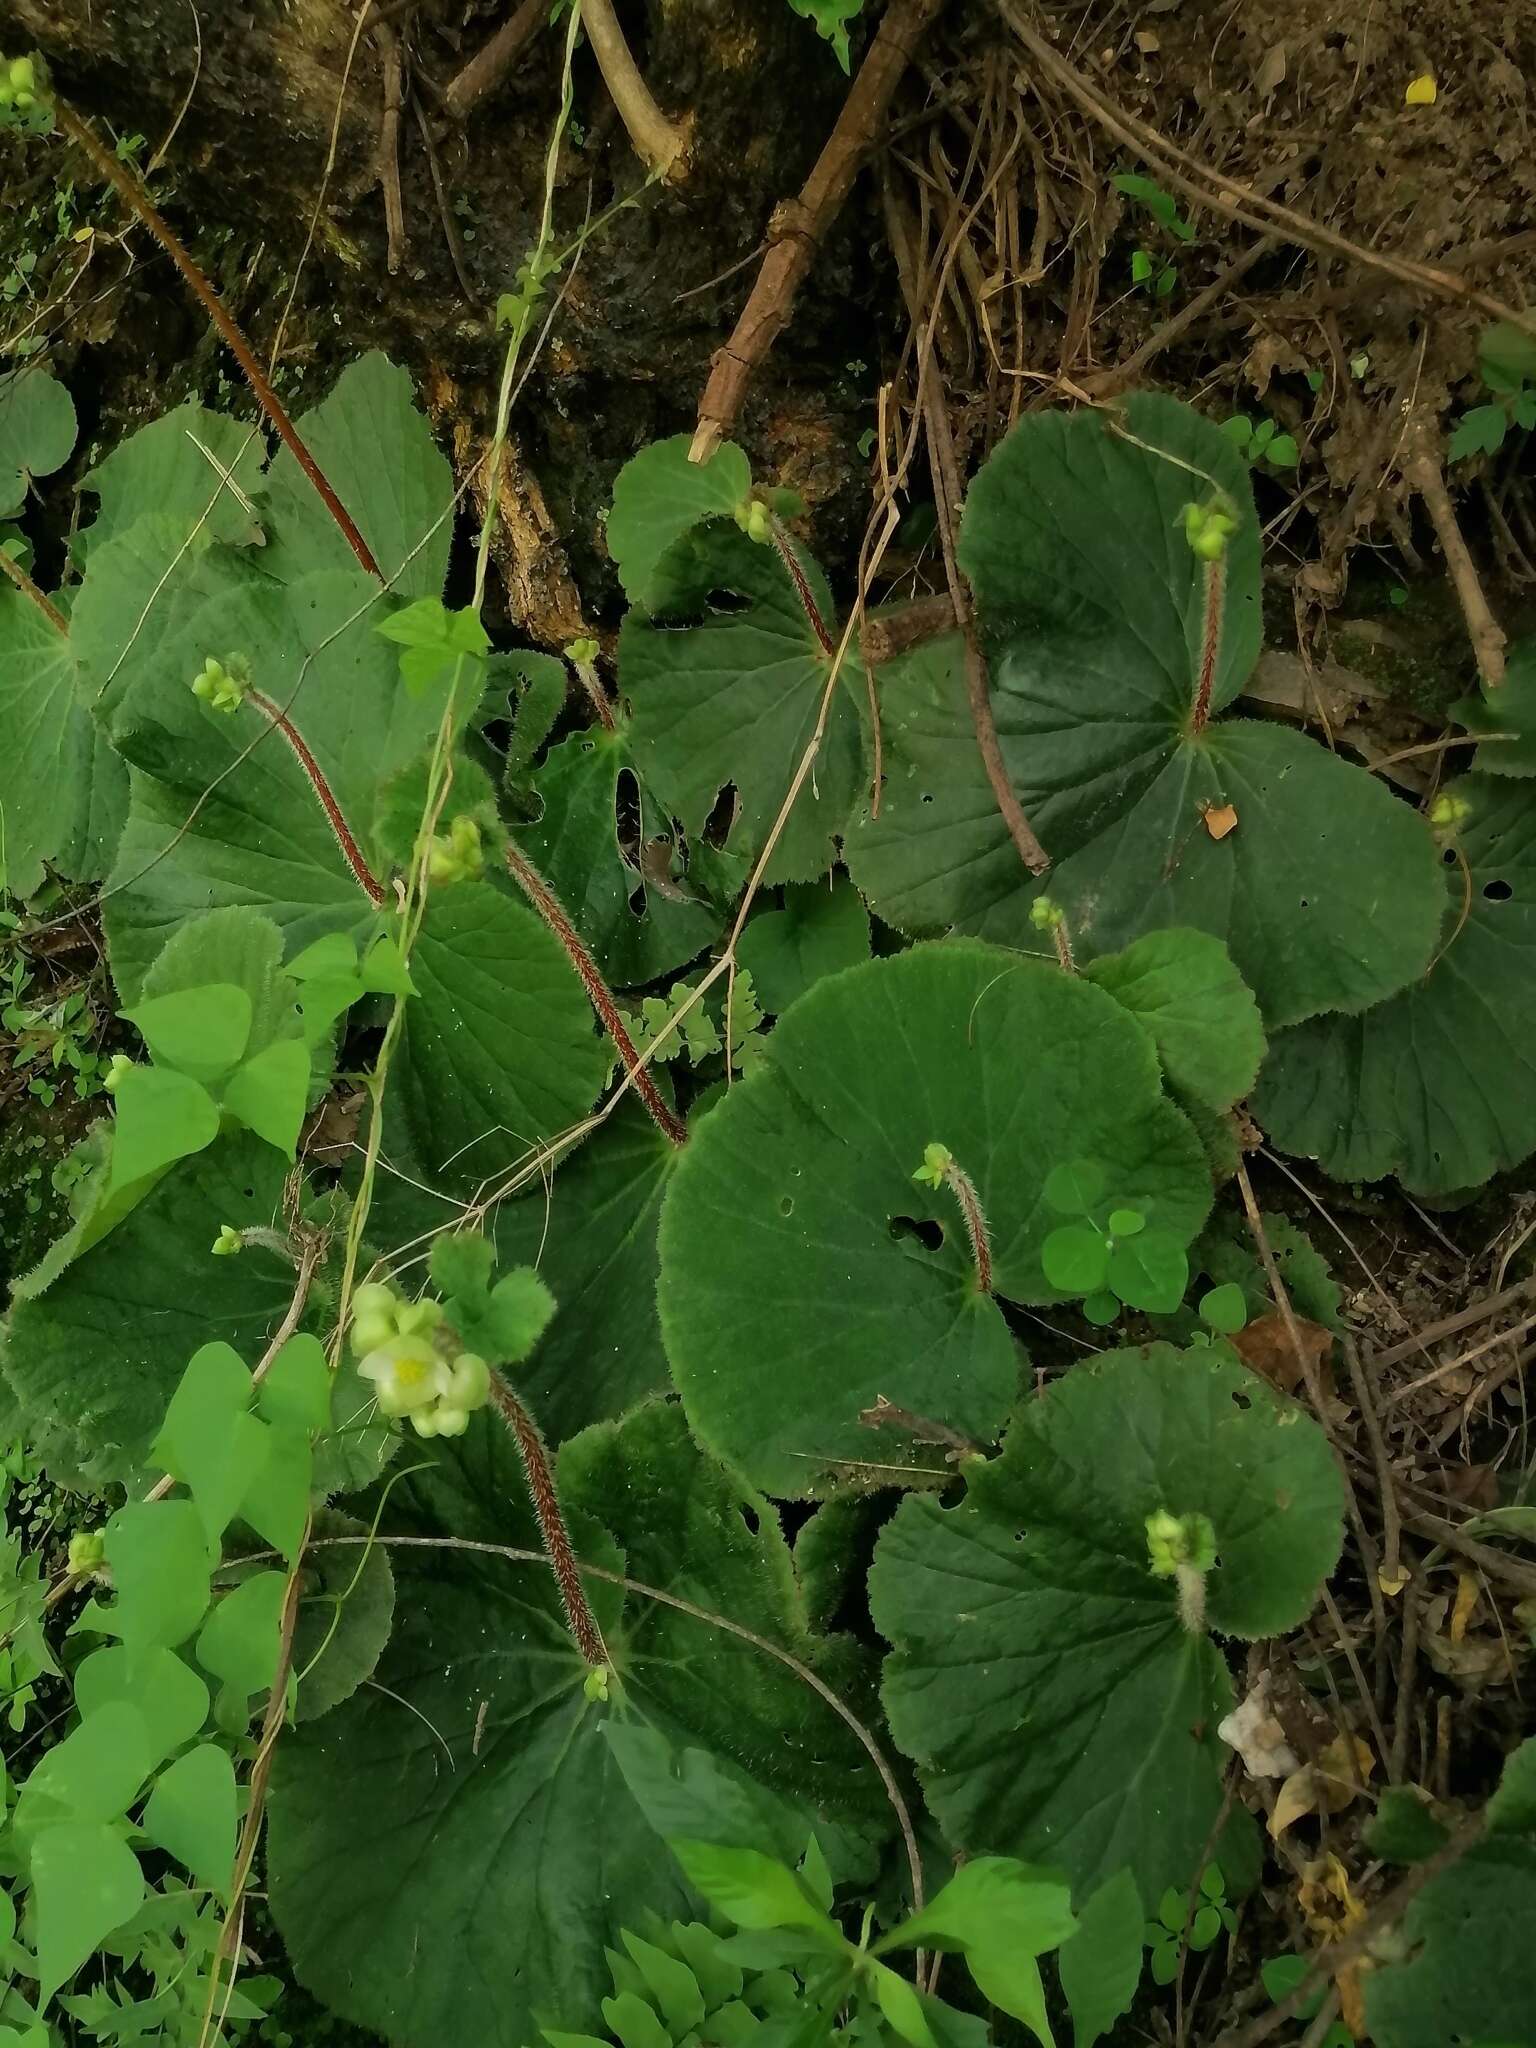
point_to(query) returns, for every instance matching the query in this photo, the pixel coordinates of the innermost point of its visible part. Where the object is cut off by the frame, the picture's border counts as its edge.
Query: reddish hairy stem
(964, 1190)
(351, 852)
(553, 912)
(545, 1496)
(130, 189)
(1210, 647)
(803, 590)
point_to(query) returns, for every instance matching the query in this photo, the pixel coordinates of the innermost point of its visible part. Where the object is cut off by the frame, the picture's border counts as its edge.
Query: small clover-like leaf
(1075, 1259)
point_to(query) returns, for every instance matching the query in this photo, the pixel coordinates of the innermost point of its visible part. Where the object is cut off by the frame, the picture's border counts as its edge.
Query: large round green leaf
(797, 1286)
(95, 1357)
(1093, 610)
(451, 1848)
(1041, 1678)
(1437, 1085)
(725, 676)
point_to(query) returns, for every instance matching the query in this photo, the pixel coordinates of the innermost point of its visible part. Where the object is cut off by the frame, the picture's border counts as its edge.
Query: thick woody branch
(798, 225)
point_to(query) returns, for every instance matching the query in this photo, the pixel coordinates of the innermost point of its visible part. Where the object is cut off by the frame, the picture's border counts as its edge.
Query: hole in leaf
(637, 899)
(727, 602)
(722, 816)
(1497, 892)
(626, 815)
(927, 796)
(750, 1518)
(786, 1205)
(1448, 857)
(1241, 1400)
(922, 1229)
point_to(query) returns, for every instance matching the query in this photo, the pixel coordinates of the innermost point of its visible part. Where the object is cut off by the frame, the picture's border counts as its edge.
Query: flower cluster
(1207, 528)
(400, 1346)
(456, 855)
(222, 684)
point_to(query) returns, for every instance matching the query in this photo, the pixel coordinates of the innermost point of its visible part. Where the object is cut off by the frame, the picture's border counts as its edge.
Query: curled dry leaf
(1327, 1786)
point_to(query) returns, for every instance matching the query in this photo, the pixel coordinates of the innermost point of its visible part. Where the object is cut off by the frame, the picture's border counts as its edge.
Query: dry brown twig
(1423, 471)
(32, 594)
(798, 224)
(948, 494)
(392, 66)
(491, 63)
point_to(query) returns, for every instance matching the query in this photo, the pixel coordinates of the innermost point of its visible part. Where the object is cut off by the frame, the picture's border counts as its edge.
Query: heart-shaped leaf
(658, 495)
(37, 432)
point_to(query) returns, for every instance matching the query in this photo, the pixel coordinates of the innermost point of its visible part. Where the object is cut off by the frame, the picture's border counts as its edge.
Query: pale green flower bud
(1175, 1540)
(415, 1318)
(456, 855)
(936, 1162)
(228, 1242)
(220, 689)
(87, 1553)
(470, 1382)
(446, 1420)
(117, 1067)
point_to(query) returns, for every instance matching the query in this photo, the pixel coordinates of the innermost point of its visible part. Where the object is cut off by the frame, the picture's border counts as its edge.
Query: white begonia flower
(409, 1373)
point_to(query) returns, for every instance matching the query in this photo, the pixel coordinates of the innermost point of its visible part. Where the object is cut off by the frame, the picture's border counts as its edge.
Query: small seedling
(1165, 1934)
(1507, 360)
(1261, 443)
(1109, 1256)
(1150, 267)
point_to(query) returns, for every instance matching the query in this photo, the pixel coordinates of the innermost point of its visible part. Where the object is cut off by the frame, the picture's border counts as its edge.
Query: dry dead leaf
(1265, 1347)
(1271, 72)
(1219, 820)
(1422, 91)
(1392, 1583)
(1327, 1901)
(1327, 1786)
(1253, 1731)
(1147, 42)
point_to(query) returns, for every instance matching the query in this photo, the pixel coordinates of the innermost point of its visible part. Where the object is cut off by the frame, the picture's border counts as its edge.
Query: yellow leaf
(1296, 1798)
(1392, 1583)
(1421, 91)
(1467, 1590)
